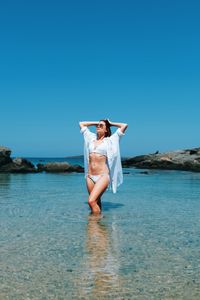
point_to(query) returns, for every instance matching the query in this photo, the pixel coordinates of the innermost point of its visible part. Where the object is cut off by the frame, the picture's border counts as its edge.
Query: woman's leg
(90, 185)
(99, 188)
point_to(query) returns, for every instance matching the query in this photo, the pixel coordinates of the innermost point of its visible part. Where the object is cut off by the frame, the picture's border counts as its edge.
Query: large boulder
(5, 155)
(18, 165)
(187, 160)
(59, 167)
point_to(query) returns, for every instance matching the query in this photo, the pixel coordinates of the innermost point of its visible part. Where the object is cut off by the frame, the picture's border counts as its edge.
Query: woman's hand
(122, 126)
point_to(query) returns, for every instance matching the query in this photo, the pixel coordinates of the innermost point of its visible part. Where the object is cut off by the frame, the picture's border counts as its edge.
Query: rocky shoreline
(184, 160)
(22, 165)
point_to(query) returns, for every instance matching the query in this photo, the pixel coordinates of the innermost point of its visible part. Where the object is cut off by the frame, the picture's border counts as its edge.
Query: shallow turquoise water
(146, 244)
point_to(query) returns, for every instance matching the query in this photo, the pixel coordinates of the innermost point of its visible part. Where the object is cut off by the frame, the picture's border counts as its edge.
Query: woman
(101, 159)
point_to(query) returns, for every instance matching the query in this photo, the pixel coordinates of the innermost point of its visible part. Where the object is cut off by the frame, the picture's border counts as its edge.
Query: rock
(187, 160)
(18, 165)
(22, 165)
(4, 156)
(193, 151)
(59, 167)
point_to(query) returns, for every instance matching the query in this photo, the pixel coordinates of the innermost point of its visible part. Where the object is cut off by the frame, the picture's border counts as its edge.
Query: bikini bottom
(94, 178)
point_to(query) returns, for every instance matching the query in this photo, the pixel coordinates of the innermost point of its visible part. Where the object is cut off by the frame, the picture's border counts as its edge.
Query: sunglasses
(100, 125)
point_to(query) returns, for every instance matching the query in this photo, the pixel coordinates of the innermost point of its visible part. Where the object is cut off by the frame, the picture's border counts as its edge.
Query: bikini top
(100, 148)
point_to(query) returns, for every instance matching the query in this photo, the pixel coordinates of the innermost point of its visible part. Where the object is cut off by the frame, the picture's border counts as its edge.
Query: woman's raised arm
(122, 126)
(87, 123)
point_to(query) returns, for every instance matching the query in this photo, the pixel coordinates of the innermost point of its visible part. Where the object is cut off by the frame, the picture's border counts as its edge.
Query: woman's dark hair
(108, 133)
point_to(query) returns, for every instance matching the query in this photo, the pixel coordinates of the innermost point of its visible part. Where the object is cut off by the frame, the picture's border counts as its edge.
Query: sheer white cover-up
(113, 155)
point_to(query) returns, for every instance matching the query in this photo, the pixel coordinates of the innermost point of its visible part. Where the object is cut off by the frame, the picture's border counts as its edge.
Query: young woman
(102, 160)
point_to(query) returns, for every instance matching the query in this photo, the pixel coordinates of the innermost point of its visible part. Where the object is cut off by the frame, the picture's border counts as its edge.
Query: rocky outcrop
(22, 165)
(187, 160)
(5, 156)
(17, 165)
(59, 167)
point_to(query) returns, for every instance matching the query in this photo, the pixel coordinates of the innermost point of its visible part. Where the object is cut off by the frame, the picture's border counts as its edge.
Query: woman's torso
(98, 157)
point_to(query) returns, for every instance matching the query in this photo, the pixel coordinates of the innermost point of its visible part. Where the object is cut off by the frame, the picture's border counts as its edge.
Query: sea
(145, 244)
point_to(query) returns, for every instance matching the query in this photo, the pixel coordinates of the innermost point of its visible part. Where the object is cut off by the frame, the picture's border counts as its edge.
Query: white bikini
(102, 150)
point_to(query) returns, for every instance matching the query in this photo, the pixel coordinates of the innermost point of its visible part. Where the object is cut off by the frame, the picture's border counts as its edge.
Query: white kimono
(113, 155)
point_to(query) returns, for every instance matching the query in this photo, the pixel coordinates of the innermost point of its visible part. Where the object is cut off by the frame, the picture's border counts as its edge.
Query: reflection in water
(5, 180)
(101, 267)
(11, 184)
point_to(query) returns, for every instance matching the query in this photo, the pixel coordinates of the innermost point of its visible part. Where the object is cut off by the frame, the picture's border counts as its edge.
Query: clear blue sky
(62, 62)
